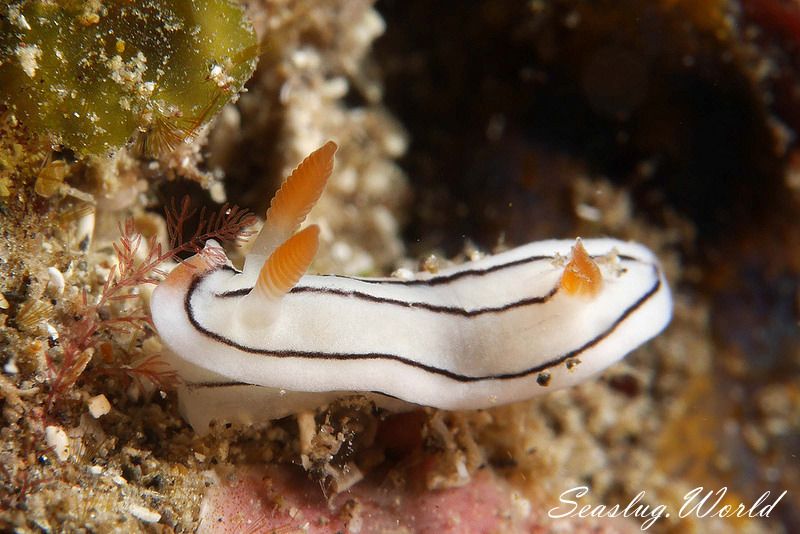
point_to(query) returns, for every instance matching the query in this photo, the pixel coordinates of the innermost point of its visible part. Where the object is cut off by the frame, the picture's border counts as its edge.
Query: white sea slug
(267, 341)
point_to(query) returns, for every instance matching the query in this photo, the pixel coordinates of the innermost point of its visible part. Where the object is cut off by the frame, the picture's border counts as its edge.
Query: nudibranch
(267, 341)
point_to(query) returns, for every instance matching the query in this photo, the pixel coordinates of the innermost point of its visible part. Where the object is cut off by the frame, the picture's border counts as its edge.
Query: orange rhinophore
(581, 275)
(295, 198)
(288, 263)
(302, 188)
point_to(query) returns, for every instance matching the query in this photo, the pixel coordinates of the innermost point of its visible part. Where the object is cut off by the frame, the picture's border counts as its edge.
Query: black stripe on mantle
(340, 356)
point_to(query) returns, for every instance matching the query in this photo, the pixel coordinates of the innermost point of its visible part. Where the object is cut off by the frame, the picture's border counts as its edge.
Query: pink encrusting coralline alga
(283, 500)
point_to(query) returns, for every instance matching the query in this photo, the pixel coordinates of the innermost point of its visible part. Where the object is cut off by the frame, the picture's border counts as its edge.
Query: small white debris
(145, 514)
(472, 252)
(306, 58)
(588, 213)
(211, 477)
(461, 469)
(99, 406)
(369, 27)
(355, 524)
(52, 333)
(347, 477)
(403, 274)
(217, 192)
(28, 56)
(395, 142)
(10, 367)
(334, 88)
(520, 505)
(307, 428)
(152, 345)
(17, 18)
(200, 457)
(341, 251)
(85, 230)
(96, 470)
(218, 75)
(57, 439)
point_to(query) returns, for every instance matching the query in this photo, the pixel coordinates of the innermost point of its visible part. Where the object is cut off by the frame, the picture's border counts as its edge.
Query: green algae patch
(91, 74)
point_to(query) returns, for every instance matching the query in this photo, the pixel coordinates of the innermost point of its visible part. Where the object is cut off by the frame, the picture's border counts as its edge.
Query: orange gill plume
(581, 276)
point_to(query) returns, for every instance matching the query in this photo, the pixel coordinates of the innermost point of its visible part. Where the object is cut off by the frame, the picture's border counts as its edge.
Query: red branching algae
(130, 272)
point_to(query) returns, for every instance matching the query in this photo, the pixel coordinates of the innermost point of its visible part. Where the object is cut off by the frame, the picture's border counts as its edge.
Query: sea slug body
(268, 341)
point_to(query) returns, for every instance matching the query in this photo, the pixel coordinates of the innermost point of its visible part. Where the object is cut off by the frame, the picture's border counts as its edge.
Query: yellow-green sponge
(94, 73)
